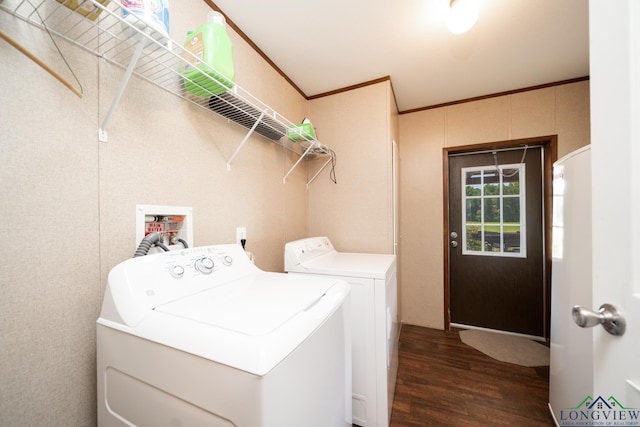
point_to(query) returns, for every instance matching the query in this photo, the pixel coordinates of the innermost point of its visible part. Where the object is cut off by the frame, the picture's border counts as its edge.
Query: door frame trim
(549, 145)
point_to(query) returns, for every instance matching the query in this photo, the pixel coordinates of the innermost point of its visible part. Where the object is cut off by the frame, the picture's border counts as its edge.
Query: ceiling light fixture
(463, 14)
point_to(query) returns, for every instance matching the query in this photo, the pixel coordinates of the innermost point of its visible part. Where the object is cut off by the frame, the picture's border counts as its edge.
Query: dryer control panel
(299, 251)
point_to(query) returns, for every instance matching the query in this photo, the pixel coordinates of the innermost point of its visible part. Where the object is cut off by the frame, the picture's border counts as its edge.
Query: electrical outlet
(241, 233)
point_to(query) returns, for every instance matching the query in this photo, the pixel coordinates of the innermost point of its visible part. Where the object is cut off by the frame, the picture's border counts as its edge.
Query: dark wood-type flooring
(443, 382)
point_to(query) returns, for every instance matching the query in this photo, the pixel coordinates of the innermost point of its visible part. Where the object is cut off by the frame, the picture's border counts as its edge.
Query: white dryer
(375, 327)
(202, 337)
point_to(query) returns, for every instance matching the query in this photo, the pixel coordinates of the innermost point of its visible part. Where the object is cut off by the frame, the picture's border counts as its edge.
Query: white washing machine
(202, 337)
(375, 327)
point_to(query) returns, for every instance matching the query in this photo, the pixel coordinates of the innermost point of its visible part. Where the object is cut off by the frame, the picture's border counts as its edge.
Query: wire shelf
(98, 27)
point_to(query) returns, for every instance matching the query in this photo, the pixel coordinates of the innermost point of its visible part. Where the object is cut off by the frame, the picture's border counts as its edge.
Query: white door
(571, 285)
(615, 149)
(595, 376)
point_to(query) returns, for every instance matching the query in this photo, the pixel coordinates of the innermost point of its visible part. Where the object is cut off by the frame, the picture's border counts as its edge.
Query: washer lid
(255, 305)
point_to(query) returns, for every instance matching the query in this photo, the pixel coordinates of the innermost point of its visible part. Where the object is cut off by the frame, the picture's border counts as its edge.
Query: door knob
(454, 243)
(607, 316)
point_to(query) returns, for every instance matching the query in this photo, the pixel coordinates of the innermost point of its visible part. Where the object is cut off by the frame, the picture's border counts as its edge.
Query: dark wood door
(496, 251)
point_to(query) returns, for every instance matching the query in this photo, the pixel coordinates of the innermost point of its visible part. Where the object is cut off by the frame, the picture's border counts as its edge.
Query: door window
(493, 211)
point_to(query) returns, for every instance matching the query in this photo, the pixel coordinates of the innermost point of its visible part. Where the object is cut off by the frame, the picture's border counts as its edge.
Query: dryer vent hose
(151, 239)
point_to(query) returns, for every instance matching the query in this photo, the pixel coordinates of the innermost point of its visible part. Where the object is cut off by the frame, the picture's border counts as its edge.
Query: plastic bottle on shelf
(152, 13)
(212, 71)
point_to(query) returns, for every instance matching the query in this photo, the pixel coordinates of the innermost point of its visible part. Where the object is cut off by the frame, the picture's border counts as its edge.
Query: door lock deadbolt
(454, 243)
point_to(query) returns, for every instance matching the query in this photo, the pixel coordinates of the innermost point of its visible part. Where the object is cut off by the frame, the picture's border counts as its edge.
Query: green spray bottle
(212, 71)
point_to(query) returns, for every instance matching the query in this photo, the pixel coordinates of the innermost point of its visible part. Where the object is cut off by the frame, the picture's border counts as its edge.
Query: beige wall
(359, 125)
(68, 202)
(560, 110)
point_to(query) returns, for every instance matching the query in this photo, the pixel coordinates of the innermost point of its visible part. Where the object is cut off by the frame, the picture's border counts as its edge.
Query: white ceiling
(324, 45)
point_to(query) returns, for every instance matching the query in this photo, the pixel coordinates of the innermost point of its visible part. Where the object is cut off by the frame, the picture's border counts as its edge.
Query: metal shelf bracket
(318, 172)
(102, 131)
(246, 137)
(313, 144)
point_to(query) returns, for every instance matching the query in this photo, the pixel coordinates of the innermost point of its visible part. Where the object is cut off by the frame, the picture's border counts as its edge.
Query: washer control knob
(227, 260)
(176, 271)
(204, 265)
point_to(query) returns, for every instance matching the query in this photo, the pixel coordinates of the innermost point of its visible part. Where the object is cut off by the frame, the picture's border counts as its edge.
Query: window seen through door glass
(494, 222)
